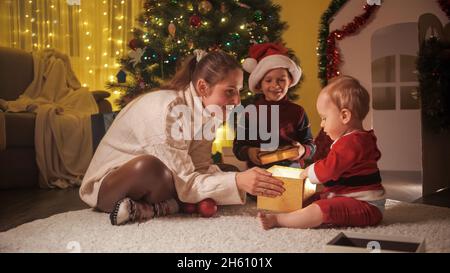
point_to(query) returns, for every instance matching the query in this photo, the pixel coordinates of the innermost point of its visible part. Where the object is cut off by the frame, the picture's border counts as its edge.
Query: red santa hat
(268, 56)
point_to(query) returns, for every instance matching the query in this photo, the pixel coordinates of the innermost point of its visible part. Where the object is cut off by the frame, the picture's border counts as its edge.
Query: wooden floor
(21, 206)
(402, 186)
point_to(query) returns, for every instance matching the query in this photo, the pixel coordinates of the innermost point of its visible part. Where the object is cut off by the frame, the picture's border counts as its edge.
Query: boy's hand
(253, 155)
(304, 174)
(301, 151)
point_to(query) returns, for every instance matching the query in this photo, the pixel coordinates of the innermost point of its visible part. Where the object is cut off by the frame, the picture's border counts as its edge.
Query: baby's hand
(304, 174)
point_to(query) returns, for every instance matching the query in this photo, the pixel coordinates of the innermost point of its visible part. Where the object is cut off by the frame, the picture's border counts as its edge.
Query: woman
(143, 168)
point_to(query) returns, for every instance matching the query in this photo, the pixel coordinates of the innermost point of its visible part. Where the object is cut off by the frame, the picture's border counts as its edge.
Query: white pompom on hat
(266, 57)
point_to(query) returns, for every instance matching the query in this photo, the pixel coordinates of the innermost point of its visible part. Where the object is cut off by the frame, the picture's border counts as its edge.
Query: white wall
(357, 52)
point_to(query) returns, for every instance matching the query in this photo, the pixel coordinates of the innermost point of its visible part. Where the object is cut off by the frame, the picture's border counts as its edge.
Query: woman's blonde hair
(213, 68)
(347, 92)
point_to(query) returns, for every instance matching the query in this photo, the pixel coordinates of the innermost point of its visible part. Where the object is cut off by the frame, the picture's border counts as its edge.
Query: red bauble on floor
(207, 207)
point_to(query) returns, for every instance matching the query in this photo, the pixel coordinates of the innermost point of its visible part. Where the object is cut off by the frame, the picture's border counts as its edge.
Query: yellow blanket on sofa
(63, 137)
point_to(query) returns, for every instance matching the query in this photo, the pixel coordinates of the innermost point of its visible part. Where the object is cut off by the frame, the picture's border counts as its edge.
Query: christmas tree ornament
(172, 29)
(258, 16)
(189, 208)
(142, 84)
(242, 5)
(191, 45)
(207, 208)
(195, 21)
(134, 43)
(148, 5)
(121, 76)
(223, 7)
(190, 6)
(136, 56)
(204, 7)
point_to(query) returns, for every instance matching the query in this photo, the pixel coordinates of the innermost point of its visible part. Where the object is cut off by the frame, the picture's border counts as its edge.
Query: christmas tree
(172, 29)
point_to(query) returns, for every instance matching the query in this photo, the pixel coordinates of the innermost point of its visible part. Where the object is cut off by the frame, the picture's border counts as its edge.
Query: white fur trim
(249, 64)
(272, 62)
(312, 175)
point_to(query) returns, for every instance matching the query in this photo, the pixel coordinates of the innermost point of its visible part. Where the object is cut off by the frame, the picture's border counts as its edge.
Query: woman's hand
(301, 151)
(304, 174)
(257, 181)
(253, 155)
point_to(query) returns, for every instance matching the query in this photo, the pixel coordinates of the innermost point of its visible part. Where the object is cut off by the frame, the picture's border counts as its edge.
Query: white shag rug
(235, 229)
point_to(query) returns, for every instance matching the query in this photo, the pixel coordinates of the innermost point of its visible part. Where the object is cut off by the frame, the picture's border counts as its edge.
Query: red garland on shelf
(445, 6)
(333, 54)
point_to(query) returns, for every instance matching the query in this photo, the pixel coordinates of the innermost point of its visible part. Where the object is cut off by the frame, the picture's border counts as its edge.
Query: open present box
(297, 191)
(353, 242)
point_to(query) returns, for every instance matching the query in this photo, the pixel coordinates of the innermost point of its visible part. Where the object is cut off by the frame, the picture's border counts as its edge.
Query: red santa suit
(353, 194)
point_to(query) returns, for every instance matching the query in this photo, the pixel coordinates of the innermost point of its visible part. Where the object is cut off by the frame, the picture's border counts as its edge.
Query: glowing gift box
(297, 191)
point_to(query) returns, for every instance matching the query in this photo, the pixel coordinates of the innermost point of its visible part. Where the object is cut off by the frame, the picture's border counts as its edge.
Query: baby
(353, 194)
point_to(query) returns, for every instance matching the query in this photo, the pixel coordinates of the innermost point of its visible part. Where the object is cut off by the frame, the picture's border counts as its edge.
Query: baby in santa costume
(272, 73)
(353, 194)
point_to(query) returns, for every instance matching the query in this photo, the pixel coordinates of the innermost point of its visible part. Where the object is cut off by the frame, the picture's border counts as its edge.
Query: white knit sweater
(144, 128)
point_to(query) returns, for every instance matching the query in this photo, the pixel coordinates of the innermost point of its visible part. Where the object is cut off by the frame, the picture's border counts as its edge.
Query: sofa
(18, 167)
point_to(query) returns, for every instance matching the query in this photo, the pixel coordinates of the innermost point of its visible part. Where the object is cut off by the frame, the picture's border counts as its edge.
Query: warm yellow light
(89, 47)
(117, 52)
(119, 27)
(52, 6)
(105, 54)
(105, 13)
(85, 85)
(88, 58)
(115, 92)
(90, 71)
(48, 46)
(87, 33)
(85, 23)
(50, 34)
(223, 20)
(106, 65)
(120, 42)
(32, 20)
(111, 78)
(242, 27)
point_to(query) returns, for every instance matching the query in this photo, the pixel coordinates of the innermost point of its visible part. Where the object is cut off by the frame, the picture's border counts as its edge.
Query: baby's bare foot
(268, 221)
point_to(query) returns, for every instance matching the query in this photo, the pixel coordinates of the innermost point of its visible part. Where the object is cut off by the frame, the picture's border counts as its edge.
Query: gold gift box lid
(278, 155)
